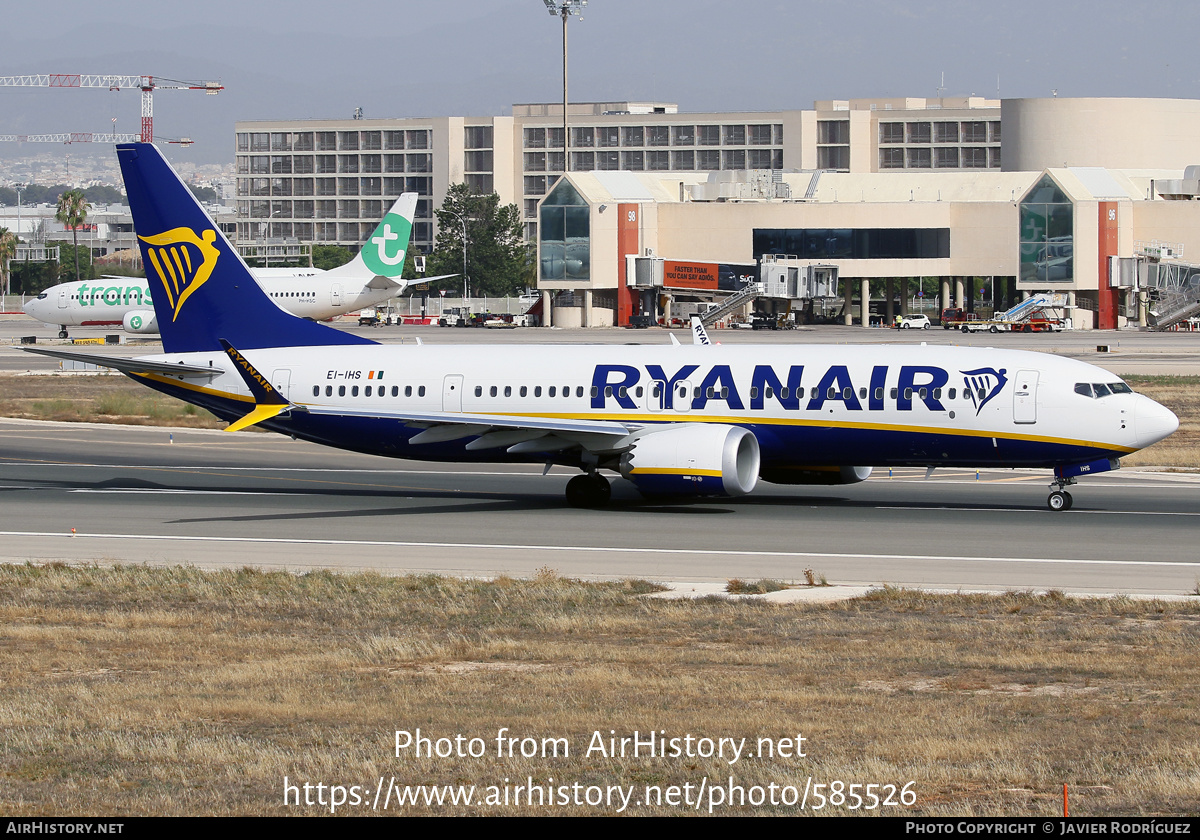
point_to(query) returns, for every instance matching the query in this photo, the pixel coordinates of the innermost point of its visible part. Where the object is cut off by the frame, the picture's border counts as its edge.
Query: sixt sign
(792, 389)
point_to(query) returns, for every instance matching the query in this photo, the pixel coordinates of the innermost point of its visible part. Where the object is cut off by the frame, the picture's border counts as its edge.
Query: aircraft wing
(515, 433)
(381, 282)
(128, 365)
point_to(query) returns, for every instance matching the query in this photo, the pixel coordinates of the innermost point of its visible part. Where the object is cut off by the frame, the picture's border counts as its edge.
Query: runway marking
(709, 552)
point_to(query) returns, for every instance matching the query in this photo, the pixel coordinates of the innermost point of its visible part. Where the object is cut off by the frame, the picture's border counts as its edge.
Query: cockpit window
(1096, 390)
(42, 296)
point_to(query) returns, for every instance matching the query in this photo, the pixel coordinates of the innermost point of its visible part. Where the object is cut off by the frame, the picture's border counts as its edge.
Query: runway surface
(211, 499)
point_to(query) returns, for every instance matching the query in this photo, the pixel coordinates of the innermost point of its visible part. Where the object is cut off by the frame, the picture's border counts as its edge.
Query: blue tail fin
(202, 290)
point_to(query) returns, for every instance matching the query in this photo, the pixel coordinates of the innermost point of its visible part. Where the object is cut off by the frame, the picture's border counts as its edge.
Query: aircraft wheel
(1059, 500)
(62, 333)
(588, 491)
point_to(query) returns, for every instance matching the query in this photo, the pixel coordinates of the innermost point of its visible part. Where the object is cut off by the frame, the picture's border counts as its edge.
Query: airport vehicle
(954, 317)
(1035, 324)
(913, 322)
(372, 277)
(685, 421)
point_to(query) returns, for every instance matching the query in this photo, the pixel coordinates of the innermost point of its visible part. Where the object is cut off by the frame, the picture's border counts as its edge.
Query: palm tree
(8, 250)
(72, 212)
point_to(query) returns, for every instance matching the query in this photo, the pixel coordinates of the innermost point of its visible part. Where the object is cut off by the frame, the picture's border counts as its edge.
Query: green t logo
(384, 251)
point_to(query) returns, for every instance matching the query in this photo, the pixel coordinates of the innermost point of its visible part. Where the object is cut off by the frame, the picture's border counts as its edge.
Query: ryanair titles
(693, 388)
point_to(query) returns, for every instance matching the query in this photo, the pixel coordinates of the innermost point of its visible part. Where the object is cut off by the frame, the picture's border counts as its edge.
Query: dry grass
(131, 690)
(1181, 394)
(97, 399)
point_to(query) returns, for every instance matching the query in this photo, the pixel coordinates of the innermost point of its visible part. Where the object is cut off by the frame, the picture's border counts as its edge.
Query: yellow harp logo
(183, 261)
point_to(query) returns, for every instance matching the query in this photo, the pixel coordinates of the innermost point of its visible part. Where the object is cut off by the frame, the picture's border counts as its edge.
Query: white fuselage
(862, 405)
(308, 293)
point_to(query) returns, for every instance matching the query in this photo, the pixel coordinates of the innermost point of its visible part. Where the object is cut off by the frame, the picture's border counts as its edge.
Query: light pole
(463, 222)
(564, 9)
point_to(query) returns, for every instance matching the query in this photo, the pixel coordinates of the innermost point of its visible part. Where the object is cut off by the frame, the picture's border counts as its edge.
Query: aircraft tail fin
(201, 289)
(382, 255)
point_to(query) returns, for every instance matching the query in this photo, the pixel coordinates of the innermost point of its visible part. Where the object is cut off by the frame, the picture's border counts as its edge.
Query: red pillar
(628, 242)
(1109, 297)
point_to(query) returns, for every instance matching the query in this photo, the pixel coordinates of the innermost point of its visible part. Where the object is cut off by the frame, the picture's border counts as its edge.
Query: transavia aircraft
(681, 420)
(371, 278)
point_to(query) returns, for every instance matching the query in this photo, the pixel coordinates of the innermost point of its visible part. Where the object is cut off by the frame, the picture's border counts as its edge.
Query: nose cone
(33, 308)
(1152, 422)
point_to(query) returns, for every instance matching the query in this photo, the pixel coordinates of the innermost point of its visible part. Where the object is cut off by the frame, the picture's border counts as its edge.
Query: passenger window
(579, 391)
(524, 390)
(847, 393)
(639, 391)
(622, 392)
(951, 393)
(937, 393)
(724, 393)
(709, 393)
(492, 391)
(754, 392)
(862, 393)
(382, 391)
(508, 390)
(551, 391)
(367, 392)
(814, 393)
(607, 391)
(354, 390)
(316, 390)
(829, 394)
(537, 390)
(924, 392)
(329, 390)
(895, 393)
(395, 390)
(421, 391)
(878, 393)
(784, 393)
(341, 390)
(908, 393)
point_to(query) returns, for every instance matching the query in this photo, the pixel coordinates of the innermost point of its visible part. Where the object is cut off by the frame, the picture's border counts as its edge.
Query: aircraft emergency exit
(371, 278)
(681, 420)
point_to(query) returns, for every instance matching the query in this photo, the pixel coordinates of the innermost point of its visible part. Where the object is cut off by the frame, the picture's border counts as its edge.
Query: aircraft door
(281, 381)
(681, 399)
(452, 387)
(335, 294)
(1025, 397)
(64, 299)
(656, 392)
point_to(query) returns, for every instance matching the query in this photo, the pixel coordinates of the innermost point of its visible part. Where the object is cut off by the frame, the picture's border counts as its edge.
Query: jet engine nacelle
(696, 459)
(817, 475)
(140, 321)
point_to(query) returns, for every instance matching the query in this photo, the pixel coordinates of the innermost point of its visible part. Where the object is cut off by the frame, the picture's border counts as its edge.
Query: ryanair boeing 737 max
(681, 420)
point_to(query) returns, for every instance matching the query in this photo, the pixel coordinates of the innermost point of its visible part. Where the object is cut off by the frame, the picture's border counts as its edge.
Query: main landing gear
(62, 333)
(590, 490)
(1060, 499)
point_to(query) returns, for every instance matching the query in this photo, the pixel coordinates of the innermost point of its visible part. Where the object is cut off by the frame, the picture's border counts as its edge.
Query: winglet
(267, 401)
(699, 334)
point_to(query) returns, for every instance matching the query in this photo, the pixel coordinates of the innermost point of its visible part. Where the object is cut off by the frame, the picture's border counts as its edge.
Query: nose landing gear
(1060, 499)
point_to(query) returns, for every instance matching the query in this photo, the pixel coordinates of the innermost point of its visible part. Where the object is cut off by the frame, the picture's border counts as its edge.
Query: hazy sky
(301, 59)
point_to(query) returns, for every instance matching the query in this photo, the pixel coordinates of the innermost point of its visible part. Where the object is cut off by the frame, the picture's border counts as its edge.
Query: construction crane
(146, 84)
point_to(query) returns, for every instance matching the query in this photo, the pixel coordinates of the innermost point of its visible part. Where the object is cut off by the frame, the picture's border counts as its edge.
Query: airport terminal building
(1072, 196)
